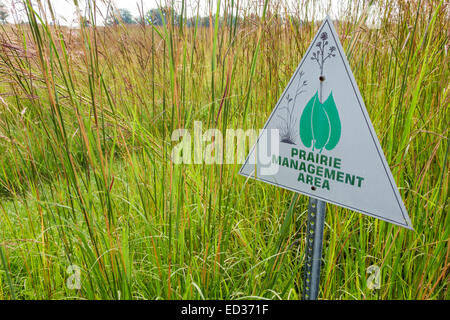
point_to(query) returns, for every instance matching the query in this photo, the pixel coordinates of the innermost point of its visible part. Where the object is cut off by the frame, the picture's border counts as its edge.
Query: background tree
(120, 15)
(158, 16)
(3, 13)
(155, 17)
(126, 17)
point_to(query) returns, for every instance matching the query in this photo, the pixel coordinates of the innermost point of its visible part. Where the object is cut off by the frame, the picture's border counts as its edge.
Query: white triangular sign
(326, 147)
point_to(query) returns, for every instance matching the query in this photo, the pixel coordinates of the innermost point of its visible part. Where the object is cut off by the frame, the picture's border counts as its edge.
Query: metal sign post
(314, 243)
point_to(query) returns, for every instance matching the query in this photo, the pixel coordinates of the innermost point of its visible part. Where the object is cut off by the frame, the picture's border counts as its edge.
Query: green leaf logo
(320, 126)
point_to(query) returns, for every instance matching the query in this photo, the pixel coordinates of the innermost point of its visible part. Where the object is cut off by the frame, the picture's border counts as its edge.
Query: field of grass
(88, 188)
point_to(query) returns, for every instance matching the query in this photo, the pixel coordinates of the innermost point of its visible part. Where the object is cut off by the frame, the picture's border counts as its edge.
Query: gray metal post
(314, 242)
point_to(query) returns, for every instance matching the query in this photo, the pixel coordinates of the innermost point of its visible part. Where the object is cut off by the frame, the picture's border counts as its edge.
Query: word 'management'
(317, 169)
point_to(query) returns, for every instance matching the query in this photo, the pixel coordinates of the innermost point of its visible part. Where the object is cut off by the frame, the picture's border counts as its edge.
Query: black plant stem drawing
(320, 57)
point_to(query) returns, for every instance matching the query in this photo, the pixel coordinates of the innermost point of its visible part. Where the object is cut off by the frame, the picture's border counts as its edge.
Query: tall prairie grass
(86, 179)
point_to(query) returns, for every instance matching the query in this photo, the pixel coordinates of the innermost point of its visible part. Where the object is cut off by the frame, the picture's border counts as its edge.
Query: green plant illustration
(320, 126)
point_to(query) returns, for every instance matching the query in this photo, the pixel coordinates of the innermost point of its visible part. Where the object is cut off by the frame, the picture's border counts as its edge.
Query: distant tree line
(157, 17)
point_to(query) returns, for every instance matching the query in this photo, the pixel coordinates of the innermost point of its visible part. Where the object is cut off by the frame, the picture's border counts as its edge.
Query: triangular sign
(321, 141)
